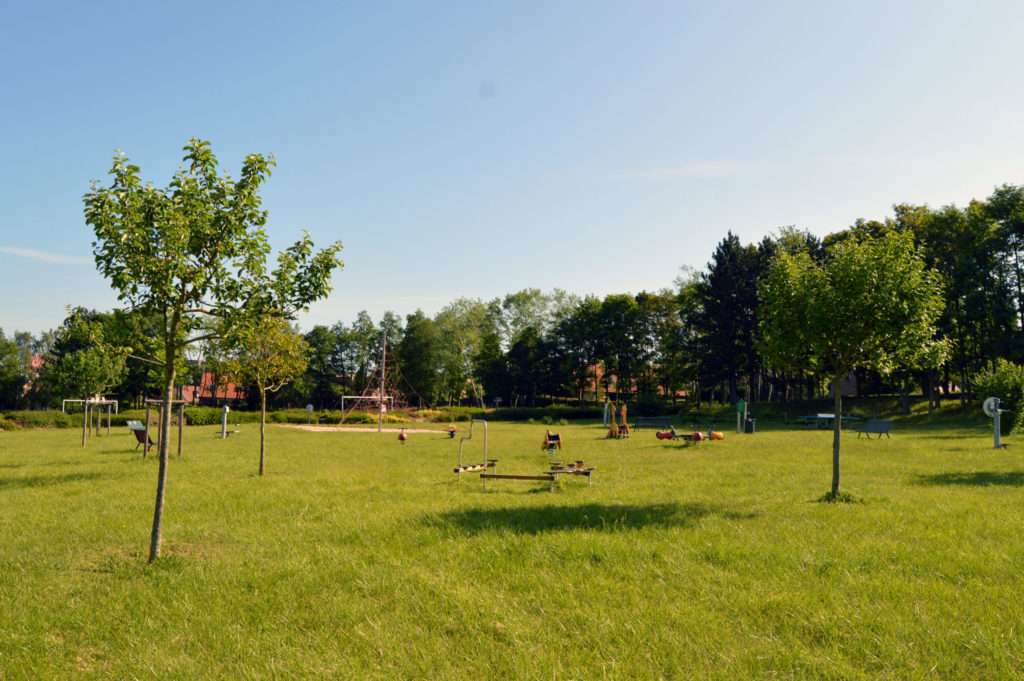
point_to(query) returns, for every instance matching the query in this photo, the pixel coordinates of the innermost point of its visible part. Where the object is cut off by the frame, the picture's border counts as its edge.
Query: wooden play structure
(92, 409)
(619, 430)
(180, 404)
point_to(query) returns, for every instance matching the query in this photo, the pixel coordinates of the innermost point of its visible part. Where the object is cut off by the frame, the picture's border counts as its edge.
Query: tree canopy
(872, 303)
(193, 251)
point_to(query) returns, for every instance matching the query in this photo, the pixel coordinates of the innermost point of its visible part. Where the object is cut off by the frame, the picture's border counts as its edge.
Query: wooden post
(145, 445)
(108, 419)
(181, 425)
(85, 421)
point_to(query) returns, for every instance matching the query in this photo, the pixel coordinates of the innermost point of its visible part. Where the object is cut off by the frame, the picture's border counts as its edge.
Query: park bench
(876, 426)
(139, 431)
(652, 422)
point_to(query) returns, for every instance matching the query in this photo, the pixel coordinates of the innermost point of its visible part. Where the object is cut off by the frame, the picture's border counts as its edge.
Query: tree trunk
(837, 427)
(263, 425)
(164, 447)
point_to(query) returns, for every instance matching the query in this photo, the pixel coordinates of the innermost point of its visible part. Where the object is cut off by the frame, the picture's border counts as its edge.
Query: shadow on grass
(47, 480)
(974, 478)
(602, 517)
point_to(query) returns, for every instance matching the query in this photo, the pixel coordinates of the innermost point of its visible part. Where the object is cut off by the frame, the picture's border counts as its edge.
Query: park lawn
(357, 557)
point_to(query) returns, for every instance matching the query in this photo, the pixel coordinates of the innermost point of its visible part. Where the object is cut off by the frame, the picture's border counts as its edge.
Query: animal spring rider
(552, 441)
(616, 431)
(695, 436)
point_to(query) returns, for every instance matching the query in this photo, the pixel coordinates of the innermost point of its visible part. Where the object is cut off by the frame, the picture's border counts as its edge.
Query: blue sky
(478, 148)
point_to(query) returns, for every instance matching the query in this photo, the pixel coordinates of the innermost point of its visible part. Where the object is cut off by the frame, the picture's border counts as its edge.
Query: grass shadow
(598, 517)
(47, 480)
(974, 478)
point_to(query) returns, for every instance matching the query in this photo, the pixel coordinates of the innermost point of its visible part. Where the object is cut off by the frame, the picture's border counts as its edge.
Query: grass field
(356, 557)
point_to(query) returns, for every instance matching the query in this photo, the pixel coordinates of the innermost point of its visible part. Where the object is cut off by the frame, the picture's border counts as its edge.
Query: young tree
(873, 304)
(195, 250)
(268, 355)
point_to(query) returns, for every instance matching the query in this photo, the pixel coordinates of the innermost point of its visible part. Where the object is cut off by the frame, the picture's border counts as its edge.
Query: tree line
(697, 338)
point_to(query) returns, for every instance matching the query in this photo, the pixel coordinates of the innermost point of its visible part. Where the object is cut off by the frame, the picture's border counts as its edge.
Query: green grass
(356, 557)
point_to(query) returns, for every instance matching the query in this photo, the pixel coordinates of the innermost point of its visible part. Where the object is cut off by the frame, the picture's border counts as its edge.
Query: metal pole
(85, 409)
(383, 368)
(998, 410)
(181, 425)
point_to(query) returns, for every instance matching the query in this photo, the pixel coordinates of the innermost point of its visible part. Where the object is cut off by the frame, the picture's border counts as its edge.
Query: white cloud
(46, 257)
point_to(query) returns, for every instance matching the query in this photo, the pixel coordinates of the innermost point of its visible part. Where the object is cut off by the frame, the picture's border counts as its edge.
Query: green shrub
(648, 404)
(6, 424)
(204, 416)
(44, 419)
(555, 413)
(1006, 381)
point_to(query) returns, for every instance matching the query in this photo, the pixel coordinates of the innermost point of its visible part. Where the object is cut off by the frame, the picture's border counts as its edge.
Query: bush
(6, 424)
(1005, 381)
(203, 416)
(44, 419)
(649, 405)
(553, 414)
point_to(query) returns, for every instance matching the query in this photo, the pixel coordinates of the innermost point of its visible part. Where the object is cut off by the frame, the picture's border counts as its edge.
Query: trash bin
(749, 428)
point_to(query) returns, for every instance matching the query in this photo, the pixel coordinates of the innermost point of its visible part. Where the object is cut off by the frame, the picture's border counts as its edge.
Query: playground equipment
(557, 469)
(616, 430)
(181, 419)
(91, 407)
(141, 436)
(469, 468)
(552, 441)
(993, 407)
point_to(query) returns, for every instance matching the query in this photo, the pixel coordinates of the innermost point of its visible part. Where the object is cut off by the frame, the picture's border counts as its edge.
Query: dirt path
(357, 429)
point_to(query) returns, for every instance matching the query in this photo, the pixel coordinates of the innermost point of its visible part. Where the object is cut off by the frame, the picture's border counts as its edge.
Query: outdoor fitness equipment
(181, 419)
(993, 408)
(487, 463)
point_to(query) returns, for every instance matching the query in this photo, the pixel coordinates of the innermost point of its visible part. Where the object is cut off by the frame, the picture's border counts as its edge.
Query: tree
(14, 360)
(419, 355)
(268, 355)
(728, 313)
(322, 370)
(462, 325)
(873, 304)
(196, 250)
